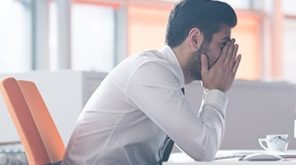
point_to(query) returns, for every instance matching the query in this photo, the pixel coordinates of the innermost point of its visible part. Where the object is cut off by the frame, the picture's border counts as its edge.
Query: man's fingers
(224, 52)
(233, 56)
(237, 62)
(229, 54)
(204, 64)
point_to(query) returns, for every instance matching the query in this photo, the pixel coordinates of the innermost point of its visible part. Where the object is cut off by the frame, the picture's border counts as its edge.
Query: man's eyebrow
(226, 38)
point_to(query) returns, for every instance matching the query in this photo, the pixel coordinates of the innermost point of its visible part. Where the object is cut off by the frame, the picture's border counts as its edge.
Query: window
(240, 4)
(289, 49)
(15, 36)
(103, 32)
(93, 40)
(289, 6)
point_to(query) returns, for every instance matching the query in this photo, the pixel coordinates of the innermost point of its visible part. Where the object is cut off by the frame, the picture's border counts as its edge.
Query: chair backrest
(37, 131)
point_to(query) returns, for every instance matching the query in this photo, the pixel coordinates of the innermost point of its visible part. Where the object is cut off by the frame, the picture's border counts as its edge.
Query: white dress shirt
(126, 120)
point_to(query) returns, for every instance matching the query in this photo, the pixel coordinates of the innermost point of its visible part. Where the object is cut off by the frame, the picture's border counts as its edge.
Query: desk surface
(229, 157)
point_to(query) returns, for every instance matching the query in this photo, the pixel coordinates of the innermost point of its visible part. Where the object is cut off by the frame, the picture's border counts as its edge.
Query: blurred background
(95, 35)
(73, 43)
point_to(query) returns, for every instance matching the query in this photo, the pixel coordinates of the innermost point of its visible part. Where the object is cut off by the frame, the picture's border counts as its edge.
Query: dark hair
(207, 15)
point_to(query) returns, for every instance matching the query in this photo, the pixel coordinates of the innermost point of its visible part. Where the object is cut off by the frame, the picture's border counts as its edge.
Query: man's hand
(222, 73)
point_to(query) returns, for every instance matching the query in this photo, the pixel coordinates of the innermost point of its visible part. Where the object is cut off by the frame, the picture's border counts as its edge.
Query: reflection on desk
(12, 153)
(225, 157)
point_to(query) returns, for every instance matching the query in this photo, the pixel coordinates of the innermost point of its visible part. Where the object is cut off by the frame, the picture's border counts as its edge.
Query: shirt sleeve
(153, 88)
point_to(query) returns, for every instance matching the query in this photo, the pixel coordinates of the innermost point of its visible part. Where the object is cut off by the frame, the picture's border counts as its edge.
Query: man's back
(112, 129)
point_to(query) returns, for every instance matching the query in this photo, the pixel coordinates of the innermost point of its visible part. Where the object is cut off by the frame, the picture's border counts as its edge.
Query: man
(140, 106)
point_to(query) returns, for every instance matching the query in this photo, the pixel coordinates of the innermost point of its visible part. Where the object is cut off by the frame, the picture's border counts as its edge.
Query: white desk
(233, 163)
(229, 157)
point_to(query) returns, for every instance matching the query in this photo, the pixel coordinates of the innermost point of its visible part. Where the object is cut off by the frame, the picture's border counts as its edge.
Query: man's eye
(222, 45)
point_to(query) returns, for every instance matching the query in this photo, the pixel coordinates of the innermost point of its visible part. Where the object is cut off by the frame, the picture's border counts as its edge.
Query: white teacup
(277, 143)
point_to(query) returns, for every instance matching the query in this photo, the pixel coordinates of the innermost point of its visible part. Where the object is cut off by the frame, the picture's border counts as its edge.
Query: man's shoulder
(150, 57)
(152, 64)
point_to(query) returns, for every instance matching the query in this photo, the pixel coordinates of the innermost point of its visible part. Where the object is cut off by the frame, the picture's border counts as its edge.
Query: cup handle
(261, 140)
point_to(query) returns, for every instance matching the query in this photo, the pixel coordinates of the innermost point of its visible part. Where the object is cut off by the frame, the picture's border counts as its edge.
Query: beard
(194, 63)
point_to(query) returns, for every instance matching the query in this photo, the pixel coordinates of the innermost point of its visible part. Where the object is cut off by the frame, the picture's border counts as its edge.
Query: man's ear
(196, 38)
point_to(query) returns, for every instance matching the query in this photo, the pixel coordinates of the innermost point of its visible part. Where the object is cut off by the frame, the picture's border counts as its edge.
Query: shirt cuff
(216, 98)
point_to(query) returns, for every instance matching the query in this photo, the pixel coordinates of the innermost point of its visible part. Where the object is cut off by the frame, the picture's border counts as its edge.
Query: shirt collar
(170, 55)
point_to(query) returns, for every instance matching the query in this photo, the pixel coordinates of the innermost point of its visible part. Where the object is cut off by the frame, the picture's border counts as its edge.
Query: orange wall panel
(147, 29)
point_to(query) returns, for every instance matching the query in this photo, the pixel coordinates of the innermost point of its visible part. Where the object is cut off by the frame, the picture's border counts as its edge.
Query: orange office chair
(38, 133)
